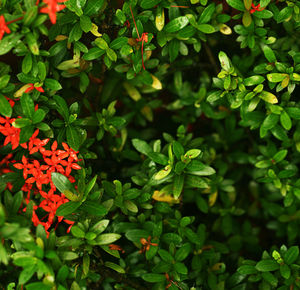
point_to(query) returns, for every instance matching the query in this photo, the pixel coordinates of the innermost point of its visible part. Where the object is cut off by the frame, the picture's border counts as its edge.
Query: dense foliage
(149, 144)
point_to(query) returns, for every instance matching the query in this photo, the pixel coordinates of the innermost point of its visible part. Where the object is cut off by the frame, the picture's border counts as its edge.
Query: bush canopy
(149, 144)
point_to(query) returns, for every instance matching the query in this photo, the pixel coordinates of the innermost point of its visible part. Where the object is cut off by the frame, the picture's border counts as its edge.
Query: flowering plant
(149, 144)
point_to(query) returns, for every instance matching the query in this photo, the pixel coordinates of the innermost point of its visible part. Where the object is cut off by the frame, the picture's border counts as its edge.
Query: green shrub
(149, 144)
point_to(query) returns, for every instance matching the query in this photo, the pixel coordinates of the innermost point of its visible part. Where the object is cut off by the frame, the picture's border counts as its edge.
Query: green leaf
(270, 278)
(92, 7)
(166, 256)
(280, 155)
(22, 122)
(85, 23)
(178, 185)
(264, 14)
(276, 77)
(136, 234)
(270, 121)
(285, 120)
(291, 255)
(27, 105)
(176, 24)
(38, 116)
(26, 133)
(285, 271)
(178, 149)
(224, 60)
(67, 208)
(180, 268)
(5, 108)
(247, 4)
(118, 42)
(106, 239)
(100, 226)
(73, 137)
(195, 181)
(279, 133)
(62, 273)
(52, 84)
(93, 53)
(141, 146)
(236, 4)
(111, 54)
(94, 208)
(267, 266)
(115, 267)
(171, 238)
(163, 173)
(293, 112)
(147, 4)
(77, 232)
(27, 273)
(263, 164)
(183, 252)
(61, 182)
(62, 107)
(206, 28)
(154, 278)
(69, 256)
(268, 97)
(8, 42)
(247, 19)
(27, 63)
(254, 80)
(4, 81)
(37, 286)
(207, 13)
(247, 270)
(284, 14)
(269, 54)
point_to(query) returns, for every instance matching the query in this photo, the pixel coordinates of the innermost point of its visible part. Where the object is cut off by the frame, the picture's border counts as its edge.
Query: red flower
(52, 8)
(146, 244)
(3, 27)
(255, 8)
(116, 248)
(25, 166)
(39, 177)
(32, 87)
(12, 134)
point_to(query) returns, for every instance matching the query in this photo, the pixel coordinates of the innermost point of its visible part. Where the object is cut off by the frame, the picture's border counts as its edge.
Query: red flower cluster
(255, 8)
(37, 172)
(32, 87)
(52, 8)
(3, 27)
(146, 244)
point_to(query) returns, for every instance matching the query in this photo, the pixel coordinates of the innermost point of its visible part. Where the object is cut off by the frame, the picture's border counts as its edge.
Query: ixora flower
(52, 8)
(37, 172)
(255, 8)
(146, 244)
(32, 87)
(3, 27)
(116, 248)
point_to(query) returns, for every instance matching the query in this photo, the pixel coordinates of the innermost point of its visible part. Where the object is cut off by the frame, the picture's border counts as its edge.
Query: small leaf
(291, 255)
(115, 267)
(5, 108)
(94, 208)
(176, 24)
(106, 239)
(267, 266)
(154, 278)
(67, 208)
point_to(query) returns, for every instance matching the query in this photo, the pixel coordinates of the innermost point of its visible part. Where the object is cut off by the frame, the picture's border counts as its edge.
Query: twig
(211, 58)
